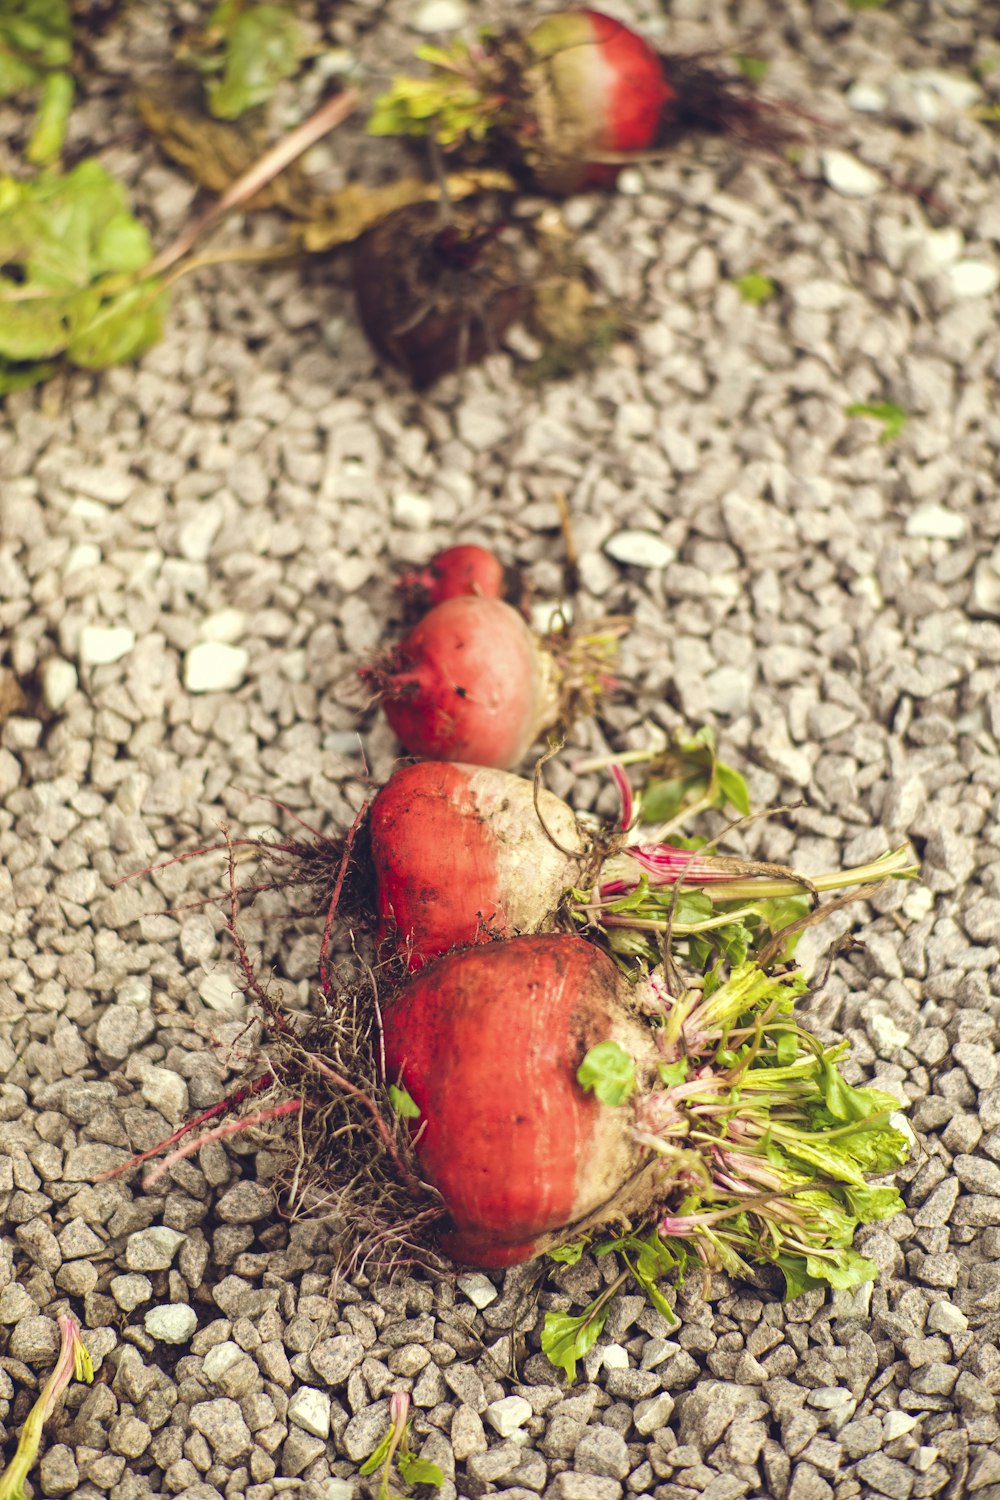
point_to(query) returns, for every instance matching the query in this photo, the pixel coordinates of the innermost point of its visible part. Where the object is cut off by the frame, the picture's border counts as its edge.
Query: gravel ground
(193, 555)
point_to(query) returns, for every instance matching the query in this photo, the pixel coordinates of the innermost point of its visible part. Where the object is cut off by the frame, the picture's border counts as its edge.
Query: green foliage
(609, 1071)
(755, 288)
(36, 46)
(699, 779)
(892, 417)
(753, 69)
(412, 1470)
(568, 1255)
(251, 48)
(450, 105)
(403, 1102)
(566, 1338)
(71, 248)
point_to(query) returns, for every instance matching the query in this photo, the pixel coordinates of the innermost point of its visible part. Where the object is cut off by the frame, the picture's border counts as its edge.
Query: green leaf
(755, 288)
(18, 377)
(868, 1204)
(843, 1101)
(892, 417)
(847, 1270)
(786, 1048)
(568, 1255)
(673, 1073)
(734, 788)
(49, 132)
(661, 801)
(754, 69)
(375, 1460)
(403, 1102)
(566, 1338)
(121, 329)
(264, 44)
(418, 1470)
(608, 1070)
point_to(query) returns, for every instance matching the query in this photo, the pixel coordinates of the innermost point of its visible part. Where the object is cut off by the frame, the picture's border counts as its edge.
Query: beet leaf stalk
(764, 1148)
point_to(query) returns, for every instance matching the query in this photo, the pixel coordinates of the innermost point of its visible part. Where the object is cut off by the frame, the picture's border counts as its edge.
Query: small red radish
(461, 856)
(455, 572)
(471, 682)
(487, 1043)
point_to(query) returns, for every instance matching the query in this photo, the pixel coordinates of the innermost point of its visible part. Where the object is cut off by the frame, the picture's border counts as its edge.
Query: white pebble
(415, 512)
(337, 1489)
(936, 521)
(974, 278)
(551, 614)
(886, 1035)
(101, 644)
(986, 585)
(214, 667)
(226, 625)
(508, 1414)
(166, 1091)
(108, 485)
(631, 183)
(956, 89)
(198, 534)
(918, 902)
(59, 682)
(136, 991)
(479, 1289)
(615, 1357)
(640, 549)
(945, 1317)
(867, 98)
(172, 1324)
(849, 176)
(439, 15)
(219, 993)
(943, 246)
(896, 1423)
(220, 1358)
(83, 555)
(310, 1410)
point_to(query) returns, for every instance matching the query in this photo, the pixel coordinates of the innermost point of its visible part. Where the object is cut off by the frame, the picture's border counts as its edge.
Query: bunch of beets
(587, 1036)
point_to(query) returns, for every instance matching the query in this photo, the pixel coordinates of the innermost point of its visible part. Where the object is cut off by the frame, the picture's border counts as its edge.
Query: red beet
(455, 572)
(435, 293)
(470, 682)
(488, 1043)
(460, 856)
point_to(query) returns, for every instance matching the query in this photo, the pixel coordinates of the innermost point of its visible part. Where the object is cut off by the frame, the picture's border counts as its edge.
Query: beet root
(487, 1044)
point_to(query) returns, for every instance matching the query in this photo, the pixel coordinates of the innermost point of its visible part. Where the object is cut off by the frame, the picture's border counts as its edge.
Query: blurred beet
(435, 292)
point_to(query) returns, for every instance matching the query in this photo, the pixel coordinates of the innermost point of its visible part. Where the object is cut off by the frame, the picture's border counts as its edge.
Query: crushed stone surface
(196, 552)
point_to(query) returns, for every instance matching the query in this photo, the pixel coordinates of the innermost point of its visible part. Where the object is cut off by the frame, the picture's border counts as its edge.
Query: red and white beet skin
(454, 573)
(469, 683)
(460, 857)
(488, 1043)
(595, 88)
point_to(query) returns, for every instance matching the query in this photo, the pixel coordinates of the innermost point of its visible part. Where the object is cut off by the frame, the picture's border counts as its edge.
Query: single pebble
(174, 1323)
(214, 667)
(848, 176)
(102, 644)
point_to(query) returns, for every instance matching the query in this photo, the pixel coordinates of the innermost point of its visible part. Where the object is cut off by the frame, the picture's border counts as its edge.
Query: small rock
(365, 1431)
(225, 625)
(221, 1423)
(867, 98)
(167, 1092)
(729, 691)
(439, 15)
(174, 1323)
(652, 1413)
(220, 993)
(334, 1359)
(153, 1249)
(507, 1415)
(640, 549)
(936, 522)
(214, 667)
(220, 1358)
(415, 512)
(197, 535)
(886, 1036)
(310, 1410)
(102, 644)
(131, 1291)
(974, 278)
(108, 485)
(467, 1434)
(956, 89)
(945, 1317)
(34, 1339)
(59, 682)
(479, 1289)
(848, 176)
(602, 1450)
